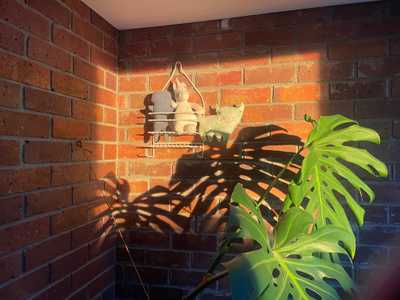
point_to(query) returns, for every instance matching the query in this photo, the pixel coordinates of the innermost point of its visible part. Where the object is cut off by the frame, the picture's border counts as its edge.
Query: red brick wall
(319, 61)
(58, 130)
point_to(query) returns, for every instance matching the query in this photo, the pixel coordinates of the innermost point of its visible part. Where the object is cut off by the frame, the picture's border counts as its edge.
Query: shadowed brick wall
(58, 124)
(61, 114)
(319, 61)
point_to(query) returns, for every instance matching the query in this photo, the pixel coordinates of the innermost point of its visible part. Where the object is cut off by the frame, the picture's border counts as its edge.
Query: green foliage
(296, 260)
(325, 172)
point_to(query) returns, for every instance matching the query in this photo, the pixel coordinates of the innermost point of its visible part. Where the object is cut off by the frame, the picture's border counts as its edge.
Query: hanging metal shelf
(153, 144)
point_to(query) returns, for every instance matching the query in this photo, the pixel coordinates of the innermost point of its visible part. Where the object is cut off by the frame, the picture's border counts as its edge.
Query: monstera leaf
(284, 266)
(325, 173)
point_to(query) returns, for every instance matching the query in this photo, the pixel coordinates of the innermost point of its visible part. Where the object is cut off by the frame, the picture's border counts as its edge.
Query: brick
(87, 111)
(47, 250)
(87, 31)
(11, 39)
(69, 174)
(271, 74)
(194, 242)
(357, 90)
(357, 49)
(23, 234)
(24, 71)
(128, 117)
(111, 81)
(12, 209)
(102, 24)
(153, 240)
(88, 71)
(217, 41)
(267, 113)
(86, 233)
(10, 94)
(135, 134)
(270, 37)
(100, 283)
(165, 47)
(53, 10)
(9, 153)
(377, 109)
(78, 7)
(379, 68)
(317, 110)
(186, 278)
(70, 129)
(395, 92)
(11, 266)
(298, 53)
(127, 151)
(91, 270)
(102, 170)
(23, 124)
(70, 42)
(246, 95)
(103, 59)
(98, 210)
(24, 180)
(103, 133)
(322, 71)
(68, 263)
(48, 54)
(235, 58)
(42, 101)
(68, 219)
(110, 151)
(40, 152)
(68, 85)
(396, 129)
(102, 96)
(47, 201)
(379, 236)
(167, 259)
(60, 290)
(23, 18)
(137, 49)
(87, 151)
(300, 92)
(88, 192)
(395, 47)
(110, 116)
(132, 84)
(152, 168)
(27, 285)
(219, 78)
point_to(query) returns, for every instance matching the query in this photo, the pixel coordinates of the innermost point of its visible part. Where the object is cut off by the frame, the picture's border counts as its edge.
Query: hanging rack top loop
(179, 67)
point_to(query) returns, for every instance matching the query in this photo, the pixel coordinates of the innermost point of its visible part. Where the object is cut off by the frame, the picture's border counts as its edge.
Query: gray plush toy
(160, 102)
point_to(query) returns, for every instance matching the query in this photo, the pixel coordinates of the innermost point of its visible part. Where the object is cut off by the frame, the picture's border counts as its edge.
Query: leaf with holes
(284, 266)
(325, 172)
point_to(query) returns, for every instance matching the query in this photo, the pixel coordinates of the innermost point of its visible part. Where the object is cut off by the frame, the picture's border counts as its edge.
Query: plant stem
(206, 281)
(276, 179)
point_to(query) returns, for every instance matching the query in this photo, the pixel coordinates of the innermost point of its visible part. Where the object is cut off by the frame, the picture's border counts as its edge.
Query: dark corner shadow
(196, 198)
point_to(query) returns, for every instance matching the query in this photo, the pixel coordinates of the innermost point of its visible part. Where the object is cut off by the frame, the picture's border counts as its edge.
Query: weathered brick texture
(49, 232)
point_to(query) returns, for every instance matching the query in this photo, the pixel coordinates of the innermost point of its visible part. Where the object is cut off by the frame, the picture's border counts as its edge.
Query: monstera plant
(303, 256)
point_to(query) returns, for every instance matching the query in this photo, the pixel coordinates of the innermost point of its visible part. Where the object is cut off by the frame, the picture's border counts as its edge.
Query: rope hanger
(178, 67)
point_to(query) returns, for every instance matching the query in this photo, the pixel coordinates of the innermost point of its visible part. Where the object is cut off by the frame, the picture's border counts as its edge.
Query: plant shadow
(194, 203)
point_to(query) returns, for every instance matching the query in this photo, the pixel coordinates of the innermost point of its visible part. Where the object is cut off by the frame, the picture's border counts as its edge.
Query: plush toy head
(180, 90)
(160, 102)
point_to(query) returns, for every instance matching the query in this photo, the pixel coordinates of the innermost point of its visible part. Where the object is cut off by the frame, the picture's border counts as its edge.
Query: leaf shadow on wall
(196, 198)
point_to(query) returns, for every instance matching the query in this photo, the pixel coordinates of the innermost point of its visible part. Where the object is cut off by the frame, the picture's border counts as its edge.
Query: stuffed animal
(185, 116)
(161, 102)
(216, 129)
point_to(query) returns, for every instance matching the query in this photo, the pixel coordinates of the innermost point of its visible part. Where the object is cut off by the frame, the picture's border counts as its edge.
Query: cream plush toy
(185, 112)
